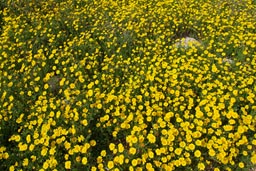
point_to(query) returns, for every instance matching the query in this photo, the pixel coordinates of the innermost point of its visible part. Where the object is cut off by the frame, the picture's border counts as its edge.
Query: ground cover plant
(100, 85)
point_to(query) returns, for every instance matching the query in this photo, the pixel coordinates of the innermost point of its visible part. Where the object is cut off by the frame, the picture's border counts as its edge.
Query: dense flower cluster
(100, 85)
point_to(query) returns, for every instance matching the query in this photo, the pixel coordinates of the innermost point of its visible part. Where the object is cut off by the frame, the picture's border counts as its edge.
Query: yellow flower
(110, 164)
(11, 168)
(28, 138)
(93, 168)
(46, 86)
(111, 146)
(15, 138)
(62, 81)
(33, 158)
(84, 160)
(253, 158)
(199, 113)
(131, 168)
(241, 164)
(78, 159)
(25, 162)
(11, 98)
(214, 68)
(211, 152)
(90, 93)
(103, 153)
(132, 150)
(197, 153)
(22, 147)
(93, 143)
(19, 120)
(134, 162)
(151, 154)
(121, 159)
(72, 85)
(67, 145)
(45, 165)
(151, 138)
(29, 93)
(228, 127)
(201, 166)
(68, 165)
(99, 105)
(81, 79)
(191, 147)
(44, 151)
(164, 141)
(31, 147)
(5, 155)
(178, 151)
(149, 167)
(120, 148)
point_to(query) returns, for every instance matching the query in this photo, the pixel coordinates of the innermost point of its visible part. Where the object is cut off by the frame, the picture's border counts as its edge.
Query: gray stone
(187, 42)
(227, 60)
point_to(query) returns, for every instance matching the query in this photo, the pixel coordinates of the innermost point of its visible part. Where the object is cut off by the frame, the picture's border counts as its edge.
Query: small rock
(54, 84)
(187, 42)
(230, 61)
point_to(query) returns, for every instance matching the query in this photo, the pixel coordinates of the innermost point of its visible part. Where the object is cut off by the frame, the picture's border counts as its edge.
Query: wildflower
(120, 148)
(81, 79)
(93, 168)
(90, 93)
(134, 162)
(45, 165)
(44, 151)
(151, 138)
(93, 143)
(25, 162)
(84, 160)
(149, 167)
(23, 147)
(99, 106)
(132, 150)
(197, 153)
(241, 164)
(11, 168)
(103, 152)
(111, 146)
(46, 86)
(68, 165)
(151, 154)
(31, 147)
(191, 147)
(211, 152)
(253, 158)
(201, 166)
(72, 85)
(214, 68)
(110, 164)
(178, 151)
(11, 98)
